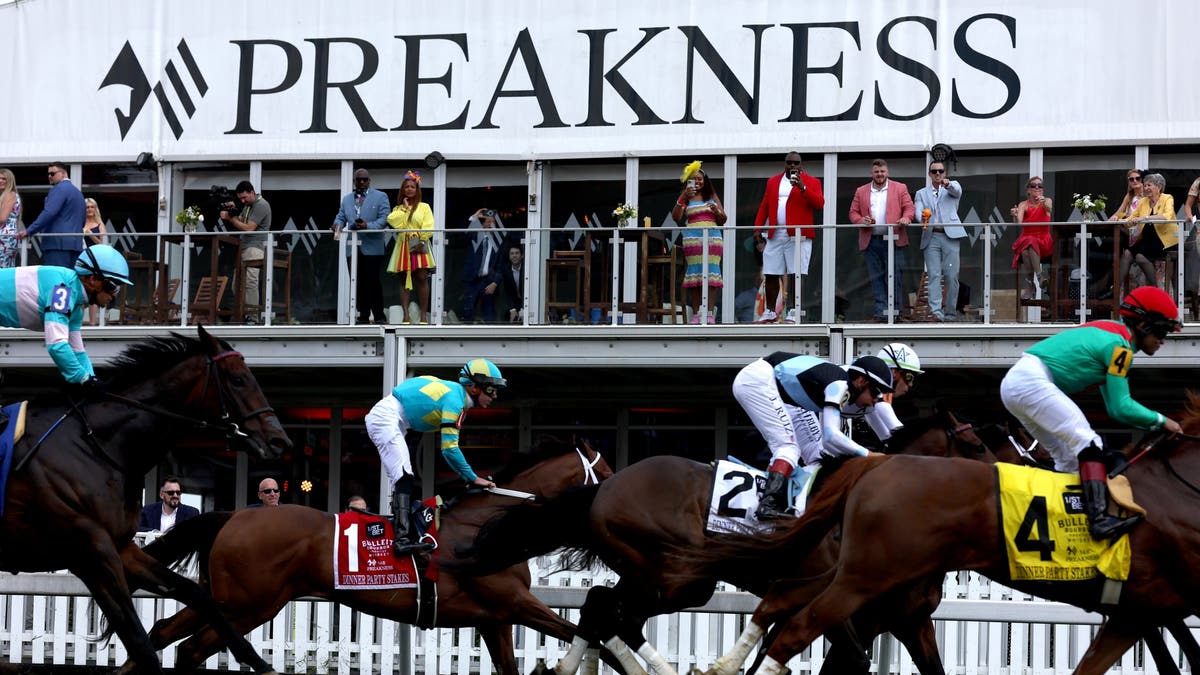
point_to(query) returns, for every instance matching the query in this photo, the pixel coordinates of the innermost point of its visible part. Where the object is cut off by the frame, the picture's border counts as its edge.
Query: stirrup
(403, 548)
(1112, 527)
(768, 511)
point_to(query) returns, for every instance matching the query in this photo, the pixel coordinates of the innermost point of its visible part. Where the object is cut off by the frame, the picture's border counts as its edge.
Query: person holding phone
(413, 254)
(366, 208)
(1034, 243)
(699, 208)
(785, 211)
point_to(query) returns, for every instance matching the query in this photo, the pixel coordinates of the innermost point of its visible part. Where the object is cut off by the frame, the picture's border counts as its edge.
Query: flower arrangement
(190, 218)
(1089, 205)
(624, 213)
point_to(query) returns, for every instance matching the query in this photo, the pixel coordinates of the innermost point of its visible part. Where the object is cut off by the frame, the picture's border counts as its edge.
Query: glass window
(1180, 166)
(582, 198)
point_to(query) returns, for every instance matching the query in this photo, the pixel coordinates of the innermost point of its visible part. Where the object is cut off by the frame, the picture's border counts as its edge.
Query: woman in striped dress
(700, 210)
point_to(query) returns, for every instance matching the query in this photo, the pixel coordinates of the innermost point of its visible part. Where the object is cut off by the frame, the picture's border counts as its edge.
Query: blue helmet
(482, 373)
(104, 261)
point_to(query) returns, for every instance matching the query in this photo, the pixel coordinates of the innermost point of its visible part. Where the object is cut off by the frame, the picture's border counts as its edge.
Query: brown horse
(75, 490)
(638, 517)
(895, 530)
(292, 547)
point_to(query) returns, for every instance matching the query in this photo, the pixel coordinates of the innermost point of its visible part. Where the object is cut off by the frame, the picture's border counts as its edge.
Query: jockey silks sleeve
(50, 300)
(431, 404)
(1100, 353)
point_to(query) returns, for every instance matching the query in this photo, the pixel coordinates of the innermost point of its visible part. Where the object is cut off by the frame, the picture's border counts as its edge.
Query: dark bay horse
(636, 519)
(75, 490)
(895, 529)
(292, 550)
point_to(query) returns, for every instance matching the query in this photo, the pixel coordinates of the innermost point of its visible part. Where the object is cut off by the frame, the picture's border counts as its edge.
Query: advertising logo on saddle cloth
(736, 492)
(362, 554)
(1046, 530)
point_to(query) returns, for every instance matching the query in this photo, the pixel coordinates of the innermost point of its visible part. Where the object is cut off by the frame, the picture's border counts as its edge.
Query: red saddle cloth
(363, 556)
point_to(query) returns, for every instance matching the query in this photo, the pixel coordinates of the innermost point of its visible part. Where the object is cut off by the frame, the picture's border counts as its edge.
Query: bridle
(956, 433)
(226, 423)
(589, 476)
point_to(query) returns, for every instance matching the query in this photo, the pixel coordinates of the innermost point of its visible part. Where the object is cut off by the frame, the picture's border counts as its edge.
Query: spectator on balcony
(699, 208)
(940, 237)
(1101, 255)
(481, 274)
(356, 502)
(268, 493)
(413, 254)
(366, 208)
(95, 233)
(63, 214)
(513, 275)
(785, 205)
(1034, 242)
(169, 510)
(1148, 245)
(877, 204)
(10, 213)
(255, 216)
(1188, 214)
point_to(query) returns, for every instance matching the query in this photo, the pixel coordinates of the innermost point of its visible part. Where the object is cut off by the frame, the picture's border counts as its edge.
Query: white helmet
(900, 355)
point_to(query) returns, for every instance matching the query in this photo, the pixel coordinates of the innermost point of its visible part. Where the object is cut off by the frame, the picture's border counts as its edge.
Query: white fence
(983, 628)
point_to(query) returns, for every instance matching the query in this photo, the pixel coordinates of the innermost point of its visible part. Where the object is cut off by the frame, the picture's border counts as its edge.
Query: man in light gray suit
(940, 238)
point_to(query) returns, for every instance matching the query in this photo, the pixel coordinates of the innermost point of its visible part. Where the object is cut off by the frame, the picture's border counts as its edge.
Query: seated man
(796, 402)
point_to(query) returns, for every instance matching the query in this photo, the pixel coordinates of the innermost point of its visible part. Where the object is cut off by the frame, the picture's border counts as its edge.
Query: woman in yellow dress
(413, 254)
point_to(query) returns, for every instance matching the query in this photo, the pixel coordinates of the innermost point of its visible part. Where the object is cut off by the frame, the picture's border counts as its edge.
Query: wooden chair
(282, 261)
(153, 309)
(568, 261)
(660, 282)
(208, 298)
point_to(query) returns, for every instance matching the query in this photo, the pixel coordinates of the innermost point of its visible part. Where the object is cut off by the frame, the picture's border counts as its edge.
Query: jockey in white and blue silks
(797, 403)
(53, 300)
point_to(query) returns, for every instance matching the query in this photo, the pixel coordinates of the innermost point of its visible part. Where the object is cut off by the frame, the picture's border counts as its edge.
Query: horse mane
(546, 447)
(153, 356)
(914, 429)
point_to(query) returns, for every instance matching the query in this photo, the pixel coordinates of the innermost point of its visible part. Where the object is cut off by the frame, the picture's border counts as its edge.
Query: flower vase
(1088, 217)
(623, 223)
(190, 227)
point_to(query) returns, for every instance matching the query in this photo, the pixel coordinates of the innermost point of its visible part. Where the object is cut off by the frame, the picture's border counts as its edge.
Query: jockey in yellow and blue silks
(423, 404)
(53, 300)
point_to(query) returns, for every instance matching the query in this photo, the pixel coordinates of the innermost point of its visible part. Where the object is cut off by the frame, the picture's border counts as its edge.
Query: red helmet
(1154, 306)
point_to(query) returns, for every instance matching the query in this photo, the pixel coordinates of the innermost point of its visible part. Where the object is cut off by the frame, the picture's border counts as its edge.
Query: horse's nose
(280, 444)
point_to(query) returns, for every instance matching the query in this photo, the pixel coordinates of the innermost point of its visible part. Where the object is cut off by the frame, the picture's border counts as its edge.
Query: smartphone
(792, 173)
(691, 183)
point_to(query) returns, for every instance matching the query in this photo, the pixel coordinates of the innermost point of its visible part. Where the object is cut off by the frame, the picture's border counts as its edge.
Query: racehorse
(895, 529)
(292, 547)
(75, 490)
(636, 519)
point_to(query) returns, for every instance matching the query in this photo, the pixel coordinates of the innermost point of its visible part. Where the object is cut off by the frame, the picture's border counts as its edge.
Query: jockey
(905, 365)
(53, 299)
(423, 404)
(797, 403)
(1099, 352)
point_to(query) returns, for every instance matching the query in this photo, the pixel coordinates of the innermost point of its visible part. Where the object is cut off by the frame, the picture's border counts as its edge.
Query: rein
(589, 478)
(1150, 444)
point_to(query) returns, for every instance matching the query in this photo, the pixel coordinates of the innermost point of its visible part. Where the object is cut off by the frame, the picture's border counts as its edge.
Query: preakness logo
(127, 71)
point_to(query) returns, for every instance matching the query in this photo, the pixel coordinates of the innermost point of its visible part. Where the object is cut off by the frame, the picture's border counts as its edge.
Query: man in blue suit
(63, 214)
(940, 237)
(481, 273)
(163, 515)
(366, 209)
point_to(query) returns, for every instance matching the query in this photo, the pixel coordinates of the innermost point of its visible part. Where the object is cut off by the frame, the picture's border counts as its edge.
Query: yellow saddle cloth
(1046, 530)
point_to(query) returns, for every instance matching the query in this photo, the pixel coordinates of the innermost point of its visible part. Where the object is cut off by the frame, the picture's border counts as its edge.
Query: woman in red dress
(1034, 243)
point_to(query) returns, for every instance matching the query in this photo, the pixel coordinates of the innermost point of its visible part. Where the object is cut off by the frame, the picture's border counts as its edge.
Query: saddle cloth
(1046, 530)
(363, 556)
(8, 439)
(737, 489)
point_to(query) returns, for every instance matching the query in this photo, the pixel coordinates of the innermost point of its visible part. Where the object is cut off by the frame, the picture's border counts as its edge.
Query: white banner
(98, 81)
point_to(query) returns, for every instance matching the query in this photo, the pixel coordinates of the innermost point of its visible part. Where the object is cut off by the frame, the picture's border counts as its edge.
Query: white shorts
(779, 255)
(792, 433)
(386, 426)
(1028, 392)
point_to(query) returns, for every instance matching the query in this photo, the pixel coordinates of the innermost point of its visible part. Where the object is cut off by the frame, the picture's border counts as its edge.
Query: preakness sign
(105, 80)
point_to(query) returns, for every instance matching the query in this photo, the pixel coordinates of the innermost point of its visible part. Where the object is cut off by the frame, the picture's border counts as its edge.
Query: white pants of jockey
(1048, 414)
(386, 426)
(792, 433)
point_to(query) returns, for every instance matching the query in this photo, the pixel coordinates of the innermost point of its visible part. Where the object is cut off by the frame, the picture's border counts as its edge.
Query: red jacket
(899, 205)
(800, 205)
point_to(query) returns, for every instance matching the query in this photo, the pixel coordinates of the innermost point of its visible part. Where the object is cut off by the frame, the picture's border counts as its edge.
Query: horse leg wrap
(731, 662)
(625, 657)
(569, 663)
(591, 663)
(656, 664)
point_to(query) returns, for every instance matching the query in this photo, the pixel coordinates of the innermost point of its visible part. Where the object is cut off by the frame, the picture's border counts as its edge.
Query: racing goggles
(491, 390)
(1160, 329)
(109, 286)
(908, 376)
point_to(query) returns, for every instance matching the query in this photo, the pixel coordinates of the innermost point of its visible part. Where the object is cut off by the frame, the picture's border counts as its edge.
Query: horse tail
(774, 553)
(527, 530)
(194, 536)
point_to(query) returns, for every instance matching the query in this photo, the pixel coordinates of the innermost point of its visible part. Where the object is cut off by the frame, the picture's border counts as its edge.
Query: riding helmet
(1154, 306)
(481, 372)
(875, 370)
(104, 261)
(900, 355)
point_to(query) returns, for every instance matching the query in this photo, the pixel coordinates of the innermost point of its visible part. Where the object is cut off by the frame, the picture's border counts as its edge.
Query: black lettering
(246, 90)
(537, 78)
(322, 85)
(698, 44)
(801, 70)
(597, 76)
(987, 65)
(914, 69)
(413, 81)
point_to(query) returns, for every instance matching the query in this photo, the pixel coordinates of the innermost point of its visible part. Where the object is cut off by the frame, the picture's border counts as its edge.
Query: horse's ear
(211, 346)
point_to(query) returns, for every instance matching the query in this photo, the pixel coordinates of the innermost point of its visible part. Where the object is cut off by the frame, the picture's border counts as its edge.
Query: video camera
(221, 198)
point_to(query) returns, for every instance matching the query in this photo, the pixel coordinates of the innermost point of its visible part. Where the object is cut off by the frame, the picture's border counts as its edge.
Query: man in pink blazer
(876, 206)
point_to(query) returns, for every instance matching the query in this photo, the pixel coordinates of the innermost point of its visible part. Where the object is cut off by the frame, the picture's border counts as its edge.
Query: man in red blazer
(786, 204)
(875, 205)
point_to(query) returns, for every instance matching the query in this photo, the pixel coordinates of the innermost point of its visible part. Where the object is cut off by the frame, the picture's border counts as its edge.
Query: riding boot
(773, 504)
(1101, 525)
(402, 541)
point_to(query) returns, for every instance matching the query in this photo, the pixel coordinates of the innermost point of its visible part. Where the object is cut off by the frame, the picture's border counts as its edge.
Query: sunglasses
(937, 171)
(172, 493)
(791, 162)
(269, 491)
(111, 287)
(1034, 186)
(1134, 179)
(363, 179)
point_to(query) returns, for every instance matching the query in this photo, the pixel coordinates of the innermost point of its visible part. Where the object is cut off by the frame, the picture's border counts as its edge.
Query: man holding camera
(481, 274)
(786, 204)
(255, 216)
(366, 209)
